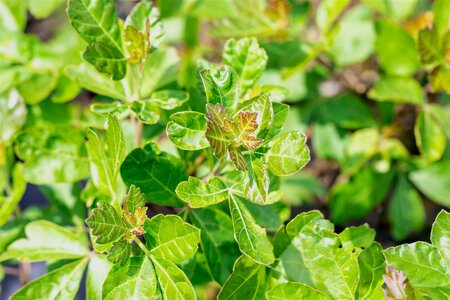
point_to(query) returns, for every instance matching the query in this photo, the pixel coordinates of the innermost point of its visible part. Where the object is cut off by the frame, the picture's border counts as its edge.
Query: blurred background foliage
(367, 81)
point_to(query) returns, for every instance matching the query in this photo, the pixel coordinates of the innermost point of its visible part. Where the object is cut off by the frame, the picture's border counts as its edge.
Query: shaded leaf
(372, 266)
(430, 139)
(120, 252)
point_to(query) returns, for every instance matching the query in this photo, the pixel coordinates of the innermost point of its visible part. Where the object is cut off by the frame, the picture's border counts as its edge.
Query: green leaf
(97, 23)
(120, 252)
(106, 59)
(217, 241)
(422, 264)
(197, 193)
(44, 9)
(159, 70)
(287, 153)
(434, 182)
(187, 130)
(257, 183)
(170, 238)
(247, 280)
(357, 237)
(133, 200)
(37, 87)
(294, 290)
(8, 204)
(88, 78)
(372, 267)
(156, 173)
(169, 99)
(280, 113)
(221, 86)
(400, 58)
(48, 241)
(62, 283)
(105, 157)
(247, 58)
(397, 89)
(172, 282)
(251, 238)
(52, 154)
(363, 192)
(327, 13)
(96, 274)
(440, 235)
(106, 223)
(440, 79)
(134, 280)
(13, 114)
(430, 47)
(441, 13)
(406, 212)
(13, 15)
(146, 14)
(218, 124)
(430, 139)
(348, 111)
(146, 111)
(332, 268)
(355, 39)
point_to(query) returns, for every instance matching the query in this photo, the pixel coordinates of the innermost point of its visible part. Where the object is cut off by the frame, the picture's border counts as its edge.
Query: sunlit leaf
(197, 193)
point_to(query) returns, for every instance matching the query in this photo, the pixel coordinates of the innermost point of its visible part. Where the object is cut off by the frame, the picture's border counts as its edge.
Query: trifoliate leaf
(287, 153)
(197, 193)
(120, 252)
(134, 280)
(251, 238)
(247, 58)
(134, 199)
(221, 86)
(248, 279)
(171, 238)
(106, 223)
(187, 130)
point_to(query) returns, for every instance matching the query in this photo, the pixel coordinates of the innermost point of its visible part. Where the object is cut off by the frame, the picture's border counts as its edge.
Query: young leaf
(217, 241)
(251, 238)
(169, 237)
(247, 58)
(187, 130)
(97, 23)
(135, 44)
(146, 111)
(221, 86)
(48, 241)
(169, 99)
(134, 280)
(62, 283)
(262, 106)
(197, 193)
(172, 281)
(257, 184)
(287, 153)
(294, 290)
(396, 284)
(237, 158)
(156, 173)
(440, 234)
(247, 280)
(218, 127)
(133, 200)
(106, 223)
(120, 252)
(280, 113)
(246, 127)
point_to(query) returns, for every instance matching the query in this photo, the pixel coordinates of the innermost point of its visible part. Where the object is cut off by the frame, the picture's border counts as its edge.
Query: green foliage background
(206, 143)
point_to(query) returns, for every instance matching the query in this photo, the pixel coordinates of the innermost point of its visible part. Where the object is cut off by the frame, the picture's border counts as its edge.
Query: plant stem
(138, 129)
(141, 245)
